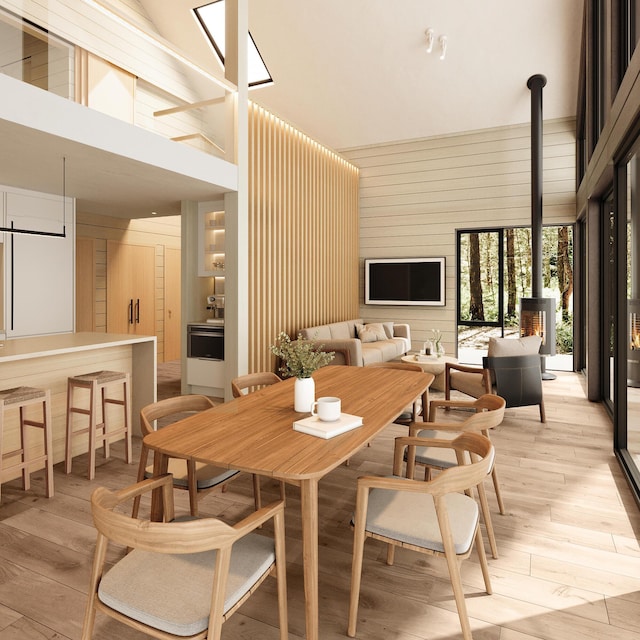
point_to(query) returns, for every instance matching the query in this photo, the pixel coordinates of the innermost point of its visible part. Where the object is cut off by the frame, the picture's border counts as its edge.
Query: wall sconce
(443, 46)
(430, 38)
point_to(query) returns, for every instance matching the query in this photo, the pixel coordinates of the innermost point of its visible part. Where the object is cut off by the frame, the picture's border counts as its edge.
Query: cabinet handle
(131, 311)
(12, 279)
(138, 311)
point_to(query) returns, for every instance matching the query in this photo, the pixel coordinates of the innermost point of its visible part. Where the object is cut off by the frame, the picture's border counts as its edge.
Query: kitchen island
(47, 361)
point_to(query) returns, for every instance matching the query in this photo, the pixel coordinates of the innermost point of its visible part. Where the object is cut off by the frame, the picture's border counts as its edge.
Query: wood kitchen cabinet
(130, 289)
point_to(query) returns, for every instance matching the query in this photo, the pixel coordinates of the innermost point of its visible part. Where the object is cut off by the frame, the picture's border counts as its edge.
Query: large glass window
(494, 274)
(609, 302)
(632, 337)
(629, 27)
(621, 313)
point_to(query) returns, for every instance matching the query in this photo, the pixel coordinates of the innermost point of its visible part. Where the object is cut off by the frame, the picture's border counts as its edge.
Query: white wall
(415, 194)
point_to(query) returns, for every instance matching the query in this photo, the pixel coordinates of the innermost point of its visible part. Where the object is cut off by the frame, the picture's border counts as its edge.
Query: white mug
(327, 409)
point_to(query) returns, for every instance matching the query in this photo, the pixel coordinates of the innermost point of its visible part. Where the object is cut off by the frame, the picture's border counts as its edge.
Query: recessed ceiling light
(212, 20)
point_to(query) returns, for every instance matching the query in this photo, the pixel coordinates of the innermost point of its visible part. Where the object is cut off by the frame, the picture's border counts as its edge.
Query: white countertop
(39, 346)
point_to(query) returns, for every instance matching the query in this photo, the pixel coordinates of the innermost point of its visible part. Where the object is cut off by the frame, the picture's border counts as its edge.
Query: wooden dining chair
(252, 382)
(488, 414)
(187, 474)
(438, 517)
(180, 578)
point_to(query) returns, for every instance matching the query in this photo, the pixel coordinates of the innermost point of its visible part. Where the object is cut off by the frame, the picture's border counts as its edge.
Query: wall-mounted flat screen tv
(404, 281)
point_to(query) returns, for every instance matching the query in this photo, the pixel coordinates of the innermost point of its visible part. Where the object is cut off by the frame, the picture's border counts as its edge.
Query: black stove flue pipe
(535, 84)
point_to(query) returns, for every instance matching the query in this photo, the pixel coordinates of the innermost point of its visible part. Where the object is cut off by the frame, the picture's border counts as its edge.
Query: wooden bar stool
(98, 431)
(22, 397)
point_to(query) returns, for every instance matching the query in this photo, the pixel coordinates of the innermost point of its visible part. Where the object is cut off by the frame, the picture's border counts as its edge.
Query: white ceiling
(355, 72)
(348, 73)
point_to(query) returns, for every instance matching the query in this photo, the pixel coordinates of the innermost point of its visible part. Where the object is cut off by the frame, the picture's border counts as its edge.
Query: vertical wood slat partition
(303, 234)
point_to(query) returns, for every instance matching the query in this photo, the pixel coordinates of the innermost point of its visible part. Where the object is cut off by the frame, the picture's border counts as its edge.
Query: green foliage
(300, 358)
(517, 264)
(564, 335)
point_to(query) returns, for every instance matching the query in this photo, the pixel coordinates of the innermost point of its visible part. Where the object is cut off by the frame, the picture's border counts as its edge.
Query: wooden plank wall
(303, 234)
(415, 194)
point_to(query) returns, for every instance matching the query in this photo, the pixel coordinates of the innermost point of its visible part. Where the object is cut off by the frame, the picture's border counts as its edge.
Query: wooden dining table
(255, 434)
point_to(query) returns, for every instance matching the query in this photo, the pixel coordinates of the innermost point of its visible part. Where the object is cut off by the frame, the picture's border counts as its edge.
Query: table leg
(160, 466)
(309, 507)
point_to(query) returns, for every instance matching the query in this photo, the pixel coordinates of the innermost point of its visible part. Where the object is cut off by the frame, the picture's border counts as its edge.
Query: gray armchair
(518, 379)
(512, 369)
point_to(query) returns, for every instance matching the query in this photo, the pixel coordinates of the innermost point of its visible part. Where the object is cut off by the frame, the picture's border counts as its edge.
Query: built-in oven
(205, 341)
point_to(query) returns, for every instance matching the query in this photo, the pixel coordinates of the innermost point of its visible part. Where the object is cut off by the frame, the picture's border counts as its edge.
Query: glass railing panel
(161, 90)
(36, 57)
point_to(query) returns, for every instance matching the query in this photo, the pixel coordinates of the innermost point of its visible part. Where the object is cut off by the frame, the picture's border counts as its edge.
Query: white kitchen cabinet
(205, 376)
(39, 280)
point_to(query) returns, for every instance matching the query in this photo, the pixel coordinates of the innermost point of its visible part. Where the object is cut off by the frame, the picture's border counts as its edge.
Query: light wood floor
(569, 563)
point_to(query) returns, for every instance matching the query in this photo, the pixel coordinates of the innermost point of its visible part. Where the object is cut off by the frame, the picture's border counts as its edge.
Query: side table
(432, 364)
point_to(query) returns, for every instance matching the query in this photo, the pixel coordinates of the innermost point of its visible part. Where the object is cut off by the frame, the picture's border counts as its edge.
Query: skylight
(211, 17)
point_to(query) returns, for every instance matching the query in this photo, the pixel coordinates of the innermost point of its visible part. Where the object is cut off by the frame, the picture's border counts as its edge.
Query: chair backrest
(407, 366)
(466, 475)
(503, 347)
(469, 445)
(489, 413)
(171, 407)
(190, 536)
(518, 378)
(252, 382)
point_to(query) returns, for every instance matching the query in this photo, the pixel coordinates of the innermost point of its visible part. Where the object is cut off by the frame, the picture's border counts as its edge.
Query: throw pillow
(514, 346)
(371, 332)
(388, 329)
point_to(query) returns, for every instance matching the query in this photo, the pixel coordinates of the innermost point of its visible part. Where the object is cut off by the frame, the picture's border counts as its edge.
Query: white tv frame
(422, 303)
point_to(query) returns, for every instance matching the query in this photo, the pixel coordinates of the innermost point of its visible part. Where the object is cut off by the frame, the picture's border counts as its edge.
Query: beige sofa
(358, 344)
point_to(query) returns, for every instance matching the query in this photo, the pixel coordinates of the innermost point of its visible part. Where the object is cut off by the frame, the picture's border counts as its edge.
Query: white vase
(304, 394)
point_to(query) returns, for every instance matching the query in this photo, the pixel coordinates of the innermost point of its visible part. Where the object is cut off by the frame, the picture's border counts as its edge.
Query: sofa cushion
(371, 332)
(321, 332)
(341, 331)
(388, 329)
(381, 351)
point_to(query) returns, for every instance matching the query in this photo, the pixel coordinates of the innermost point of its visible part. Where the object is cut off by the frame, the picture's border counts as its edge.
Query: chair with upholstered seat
(187, 474)
(511, 369)
(438, 517)
(252, 382)
(488, 414)
(180, 578)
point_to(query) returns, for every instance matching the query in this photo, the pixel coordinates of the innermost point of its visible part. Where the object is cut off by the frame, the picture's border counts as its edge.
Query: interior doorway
(494, 273)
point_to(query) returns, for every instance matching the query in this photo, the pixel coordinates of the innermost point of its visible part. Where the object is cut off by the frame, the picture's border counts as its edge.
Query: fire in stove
(537, 318)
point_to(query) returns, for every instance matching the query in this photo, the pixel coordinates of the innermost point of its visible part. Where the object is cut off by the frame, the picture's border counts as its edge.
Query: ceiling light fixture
(443, 46)
(430, 38)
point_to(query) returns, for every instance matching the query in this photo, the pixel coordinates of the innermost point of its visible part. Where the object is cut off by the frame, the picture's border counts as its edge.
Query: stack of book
(316, 427)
